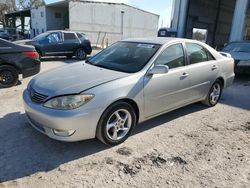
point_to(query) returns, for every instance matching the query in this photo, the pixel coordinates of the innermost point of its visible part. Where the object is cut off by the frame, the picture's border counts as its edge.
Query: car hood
(72, 79)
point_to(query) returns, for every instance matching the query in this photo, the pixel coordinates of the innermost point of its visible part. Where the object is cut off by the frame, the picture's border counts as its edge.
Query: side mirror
(159, 69)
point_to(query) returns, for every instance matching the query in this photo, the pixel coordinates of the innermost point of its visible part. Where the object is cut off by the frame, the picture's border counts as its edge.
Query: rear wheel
(80, 54)
(8, 76)
(116, 123)
(214, 94)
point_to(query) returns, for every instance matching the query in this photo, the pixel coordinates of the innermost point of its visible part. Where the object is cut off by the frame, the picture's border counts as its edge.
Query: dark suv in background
(61, 43)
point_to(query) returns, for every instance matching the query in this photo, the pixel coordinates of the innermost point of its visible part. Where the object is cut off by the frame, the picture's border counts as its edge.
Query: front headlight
(68, 102)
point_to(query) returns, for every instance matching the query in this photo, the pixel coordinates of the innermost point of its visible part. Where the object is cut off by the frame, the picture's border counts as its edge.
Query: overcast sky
(160, 7)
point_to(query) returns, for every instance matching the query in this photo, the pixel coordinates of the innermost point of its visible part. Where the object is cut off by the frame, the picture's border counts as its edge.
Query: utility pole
(122, 19)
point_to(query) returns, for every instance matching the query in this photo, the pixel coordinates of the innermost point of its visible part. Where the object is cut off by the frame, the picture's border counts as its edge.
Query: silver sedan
(125, 84)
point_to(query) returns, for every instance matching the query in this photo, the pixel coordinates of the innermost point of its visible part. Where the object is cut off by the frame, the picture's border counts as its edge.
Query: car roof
(52, 31)
(156, 40)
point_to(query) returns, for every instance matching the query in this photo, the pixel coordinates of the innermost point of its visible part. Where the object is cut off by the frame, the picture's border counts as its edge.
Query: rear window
(81, 36)
(69, 36)
(197, 54)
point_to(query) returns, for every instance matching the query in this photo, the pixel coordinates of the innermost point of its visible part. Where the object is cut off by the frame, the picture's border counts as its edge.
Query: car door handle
(214, 67)
(184, 75)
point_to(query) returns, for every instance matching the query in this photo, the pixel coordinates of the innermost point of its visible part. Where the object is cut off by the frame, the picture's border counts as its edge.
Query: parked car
(61, 43)
(16, 59)
(4, 35)
(127, 83)
(240, 51)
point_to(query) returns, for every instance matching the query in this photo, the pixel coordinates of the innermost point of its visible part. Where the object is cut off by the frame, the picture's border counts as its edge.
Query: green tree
(8, 6)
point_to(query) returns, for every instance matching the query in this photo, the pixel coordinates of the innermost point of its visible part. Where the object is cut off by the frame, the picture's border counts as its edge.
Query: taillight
(33, 55)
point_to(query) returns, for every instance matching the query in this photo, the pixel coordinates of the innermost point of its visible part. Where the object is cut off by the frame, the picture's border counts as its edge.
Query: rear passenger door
(70, 43)
(203, 69)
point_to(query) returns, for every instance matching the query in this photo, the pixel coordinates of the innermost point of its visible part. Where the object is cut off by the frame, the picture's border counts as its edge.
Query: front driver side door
(52, 44)
(163, 92)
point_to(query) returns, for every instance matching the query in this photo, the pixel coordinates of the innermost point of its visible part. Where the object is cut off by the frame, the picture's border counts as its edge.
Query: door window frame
(208, 53)
(164, 48)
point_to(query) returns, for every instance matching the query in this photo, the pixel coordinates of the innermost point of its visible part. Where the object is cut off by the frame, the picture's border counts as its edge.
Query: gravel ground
(194, 146)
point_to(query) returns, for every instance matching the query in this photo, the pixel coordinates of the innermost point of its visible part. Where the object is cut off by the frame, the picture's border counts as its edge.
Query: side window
(53, 38)
(197, 53)
(172, 56)
(70, 37)
(81, 36)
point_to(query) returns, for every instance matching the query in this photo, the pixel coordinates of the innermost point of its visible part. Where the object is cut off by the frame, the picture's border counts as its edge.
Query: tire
(112, 130)
(214, 94)
(80, 54)
(8, 76)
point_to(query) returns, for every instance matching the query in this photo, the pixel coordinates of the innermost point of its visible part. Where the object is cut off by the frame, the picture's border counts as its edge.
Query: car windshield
(237, 47)
(129, 57)
(41, 36)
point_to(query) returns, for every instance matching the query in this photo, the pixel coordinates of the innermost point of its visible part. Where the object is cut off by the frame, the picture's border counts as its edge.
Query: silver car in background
(125, 84)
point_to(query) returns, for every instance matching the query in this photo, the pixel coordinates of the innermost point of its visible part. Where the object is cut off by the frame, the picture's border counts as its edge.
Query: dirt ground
(194, 146)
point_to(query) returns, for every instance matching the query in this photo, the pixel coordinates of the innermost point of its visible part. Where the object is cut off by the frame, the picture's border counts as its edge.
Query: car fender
(130, 87)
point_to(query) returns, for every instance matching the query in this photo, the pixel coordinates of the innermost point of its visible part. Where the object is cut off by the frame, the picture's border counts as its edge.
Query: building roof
(112, 3)
(25, 12)
(64, 3)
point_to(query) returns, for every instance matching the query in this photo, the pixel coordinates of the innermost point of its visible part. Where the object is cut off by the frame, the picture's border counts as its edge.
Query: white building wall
(97, 18)
(38, 21)
(53, 22)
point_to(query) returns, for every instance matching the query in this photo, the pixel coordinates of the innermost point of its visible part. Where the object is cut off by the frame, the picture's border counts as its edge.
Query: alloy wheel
(81, 54)
(215, 93)
(6, 77)
(119, 124)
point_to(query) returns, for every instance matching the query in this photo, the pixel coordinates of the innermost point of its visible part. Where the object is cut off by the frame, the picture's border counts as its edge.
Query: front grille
(37, 97)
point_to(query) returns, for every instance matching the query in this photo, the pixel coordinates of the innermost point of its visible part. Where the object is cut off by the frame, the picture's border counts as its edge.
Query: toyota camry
(127, 83)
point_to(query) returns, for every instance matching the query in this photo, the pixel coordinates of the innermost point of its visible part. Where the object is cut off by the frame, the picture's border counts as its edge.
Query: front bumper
(45, 120)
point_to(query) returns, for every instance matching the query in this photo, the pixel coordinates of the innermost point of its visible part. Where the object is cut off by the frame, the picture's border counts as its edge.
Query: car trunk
(9, 47)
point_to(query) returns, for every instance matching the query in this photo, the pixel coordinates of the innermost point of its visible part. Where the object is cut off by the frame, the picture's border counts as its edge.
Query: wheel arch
(12, 65)
(129, 101)
(98, 132)
(221, 79)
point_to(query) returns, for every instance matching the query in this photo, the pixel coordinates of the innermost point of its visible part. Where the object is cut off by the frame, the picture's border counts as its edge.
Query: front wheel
(80, 54)
(214, 94)
(8, 76)
(116, 124)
